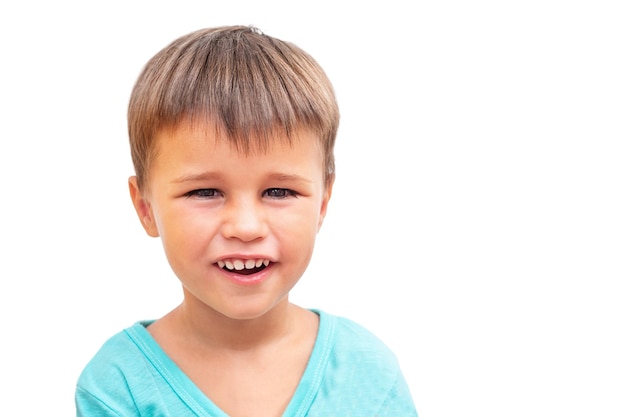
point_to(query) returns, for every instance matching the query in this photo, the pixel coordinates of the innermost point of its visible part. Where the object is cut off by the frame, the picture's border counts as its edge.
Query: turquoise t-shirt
(350, 373)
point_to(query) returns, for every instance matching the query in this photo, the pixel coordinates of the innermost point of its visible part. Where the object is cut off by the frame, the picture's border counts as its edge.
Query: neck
(209, 328)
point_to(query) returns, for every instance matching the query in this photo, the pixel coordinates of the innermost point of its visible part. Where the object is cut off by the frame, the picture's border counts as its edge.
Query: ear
(328, 190)
(143, 208)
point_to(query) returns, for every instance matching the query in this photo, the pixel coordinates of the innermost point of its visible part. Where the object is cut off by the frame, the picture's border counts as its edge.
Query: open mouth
(244, 266)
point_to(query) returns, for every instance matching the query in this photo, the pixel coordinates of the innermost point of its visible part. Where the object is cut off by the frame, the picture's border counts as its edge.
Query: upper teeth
(239, 264)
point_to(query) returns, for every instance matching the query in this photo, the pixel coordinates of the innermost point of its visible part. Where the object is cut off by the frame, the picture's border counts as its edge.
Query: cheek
(300, 221)
(297, 232)
(185, 250)
(184, 233)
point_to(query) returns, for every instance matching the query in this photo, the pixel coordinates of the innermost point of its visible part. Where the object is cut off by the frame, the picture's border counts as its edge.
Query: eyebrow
(213, 176)
(203, 176)
(288, 177)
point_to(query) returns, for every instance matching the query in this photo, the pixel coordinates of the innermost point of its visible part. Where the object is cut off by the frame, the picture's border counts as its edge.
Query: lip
(246, 280)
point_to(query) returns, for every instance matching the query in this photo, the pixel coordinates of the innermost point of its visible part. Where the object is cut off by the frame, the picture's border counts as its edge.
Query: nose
(244, 220)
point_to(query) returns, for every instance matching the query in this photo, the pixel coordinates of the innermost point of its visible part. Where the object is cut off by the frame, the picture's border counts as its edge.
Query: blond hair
(248, 85)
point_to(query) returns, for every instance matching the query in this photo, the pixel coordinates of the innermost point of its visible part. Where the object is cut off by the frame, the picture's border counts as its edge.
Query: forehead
(194, 143)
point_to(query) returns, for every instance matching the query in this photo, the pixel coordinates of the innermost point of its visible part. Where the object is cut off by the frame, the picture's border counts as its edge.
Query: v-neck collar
(202, 405)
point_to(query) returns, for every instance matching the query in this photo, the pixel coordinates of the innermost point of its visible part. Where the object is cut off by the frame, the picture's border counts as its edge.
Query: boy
(232, 135)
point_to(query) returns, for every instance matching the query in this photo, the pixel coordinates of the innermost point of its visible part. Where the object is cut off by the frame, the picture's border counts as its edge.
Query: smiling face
(238, 229)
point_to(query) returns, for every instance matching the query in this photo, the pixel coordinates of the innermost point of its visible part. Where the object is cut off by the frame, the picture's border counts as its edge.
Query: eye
(279, 193)
(204, 193)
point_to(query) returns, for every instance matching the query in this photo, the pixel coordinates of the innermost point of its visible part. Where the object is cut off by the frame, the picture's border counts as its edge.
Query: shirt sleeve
(88, 405)
(399, 402)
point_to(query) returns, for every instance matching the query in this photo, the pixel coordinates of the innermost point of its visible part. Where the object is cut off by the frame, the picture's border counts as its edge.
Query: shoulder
(357, 349)
(362, 373)
(118, 352)
(352, 338)
(104, 382)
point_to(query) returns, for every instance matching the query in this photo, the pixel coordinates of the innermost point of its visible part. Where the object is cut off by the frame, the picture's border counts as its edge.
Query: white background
(478, 220)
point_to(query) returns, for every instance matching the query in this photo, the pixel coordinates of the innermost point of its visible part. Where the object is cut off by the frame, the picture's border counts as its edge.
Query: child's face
(218, 210)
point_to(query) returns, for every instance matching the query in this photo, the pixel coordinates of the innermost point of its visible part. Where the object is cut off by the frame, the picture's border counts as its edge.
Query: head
(232, 135)
(248, 86)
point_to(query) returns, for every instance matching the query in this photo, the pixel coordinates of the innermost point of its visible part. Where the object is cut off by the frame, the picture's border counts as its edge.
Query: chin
(253, 311)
